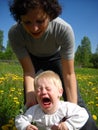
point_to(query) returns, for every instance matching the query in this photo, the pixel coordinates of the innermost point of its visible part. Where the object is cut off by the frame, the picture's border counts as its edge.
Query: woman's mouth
(36, 34)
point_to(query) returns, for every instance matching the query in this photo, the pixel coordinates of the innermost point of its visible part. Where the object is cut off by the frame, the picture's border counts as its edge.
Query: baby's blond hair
(50, 75)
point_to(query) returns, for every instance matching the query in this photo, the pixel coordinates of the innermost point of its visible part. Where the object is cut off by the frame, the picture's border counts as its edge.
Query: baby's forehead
(44, 79)
(49, 82)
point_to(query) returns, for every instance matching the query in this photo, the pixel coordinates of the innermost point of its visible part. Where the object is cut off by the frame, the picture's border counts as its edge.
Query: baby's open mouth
(46, 101)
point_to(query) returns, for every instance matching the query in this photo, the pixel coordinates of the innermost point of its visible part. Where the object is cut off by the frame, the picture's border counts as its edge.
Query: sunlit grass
(11, 92)
(88, 85)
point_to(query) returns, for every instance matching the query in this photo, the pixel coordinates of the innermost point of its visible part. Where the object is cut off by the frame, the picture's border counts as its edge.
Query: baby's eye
(38, 89)
(48, 88)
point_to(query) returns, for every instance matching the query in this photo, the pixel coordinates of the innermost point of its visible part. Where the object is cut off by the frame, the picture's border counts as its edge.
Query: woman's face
(48, 95)
(35, 22)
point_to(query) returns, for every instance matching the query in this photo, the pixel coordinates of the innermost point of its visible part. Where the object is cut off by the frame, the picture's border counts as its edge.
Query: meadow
(11, 92)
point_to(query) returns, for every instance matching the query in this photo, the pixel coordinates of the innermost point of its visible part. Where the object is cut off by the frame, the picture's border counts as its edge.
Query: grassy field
(11, 92)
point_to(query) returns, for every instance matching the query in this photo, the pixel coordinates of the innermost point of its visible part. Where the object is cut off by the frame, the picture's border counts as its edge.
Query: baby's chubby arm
(76, 117)
(23, 122)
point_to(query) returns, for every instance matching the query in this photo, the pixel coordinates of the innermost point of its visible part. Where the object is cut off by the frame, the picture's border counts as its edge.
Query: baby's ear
(60, 92)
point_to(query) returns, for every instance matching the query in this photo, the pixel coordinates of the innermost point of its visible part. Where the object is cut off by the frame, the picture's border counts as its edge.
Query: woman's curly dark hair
(21, 7)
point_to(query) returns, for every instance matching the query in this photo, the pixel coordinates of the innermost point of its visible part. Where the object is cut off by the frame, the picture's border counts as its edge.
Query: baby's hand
(31, 127)
(60, 126)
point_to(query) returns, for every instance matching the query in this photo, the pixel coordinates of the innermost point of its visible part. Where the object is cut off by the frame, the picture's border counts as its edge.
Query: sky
(82, 15)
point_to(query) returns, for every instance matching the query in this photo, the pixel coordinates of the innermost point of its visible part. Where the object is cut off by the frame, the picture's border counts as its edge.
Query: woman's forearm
(69, 80)
(29, 90)
(71, 87)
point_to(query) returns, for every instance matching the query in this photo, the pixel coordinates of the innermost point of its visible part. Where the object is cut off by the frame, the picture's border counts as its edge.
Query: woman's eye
(27, 23)
(40, 21)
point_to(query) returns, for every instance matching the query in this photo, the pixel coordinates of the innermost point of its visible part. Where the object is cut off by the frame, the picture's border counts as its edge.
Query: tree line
(83, 55)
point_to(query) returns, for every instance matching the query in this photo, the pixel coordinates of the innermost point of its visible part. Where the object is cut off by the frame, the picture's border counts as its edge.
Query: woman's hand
(30, 99)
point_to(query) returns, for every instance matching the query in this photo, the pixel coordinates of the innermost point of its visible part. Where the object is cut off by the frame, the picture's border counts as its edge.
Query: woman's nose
(34, 27)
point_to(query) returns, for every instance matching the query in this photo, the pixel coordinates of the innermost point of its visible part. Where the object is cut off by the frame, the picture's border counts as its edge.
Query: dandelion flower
(5, 127)
(12, 89)
(11, 121)
(96, 105)
(14, 128)
(94, 117)
(1, 91)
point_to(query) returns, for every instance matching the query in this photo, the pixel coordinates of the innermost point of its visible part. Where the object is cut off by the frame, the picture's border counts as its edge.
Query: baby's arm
(76, 116)
(23, 121)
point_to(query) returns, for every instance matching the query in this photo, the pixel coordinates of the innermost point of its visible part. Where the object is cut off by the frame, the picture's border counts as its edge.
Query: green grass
(11, 92)
(88, 85)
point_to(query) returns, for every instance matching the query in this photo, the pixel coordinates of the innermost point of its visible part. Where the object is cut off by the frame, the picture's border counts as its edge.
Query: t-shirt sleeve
(17, 42)
(66, 39)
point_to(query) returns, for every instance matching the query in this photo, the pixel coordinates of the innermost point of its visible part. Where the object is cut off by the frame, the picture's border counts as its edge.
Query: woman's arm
(28, 71)
(69, 80)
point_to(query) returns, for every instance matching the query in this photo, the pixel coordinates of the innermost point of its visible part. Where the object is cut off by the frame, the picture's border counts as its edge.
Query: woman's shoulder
(61, 22)
(15, 29)
(60, 26)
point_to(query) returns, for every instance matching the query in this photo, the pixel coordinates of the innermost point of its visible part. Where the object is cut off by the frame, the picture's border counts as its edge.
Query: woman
(42, 41)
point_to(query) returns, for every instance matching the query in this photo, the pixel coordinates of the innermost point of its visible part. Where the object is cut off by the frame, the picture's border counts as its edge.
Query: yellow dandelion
(20, 93)
(96, 105)
(96, 92)
(93, 88)
(14, 128)
(11, 121)
(2, 79)
(10, 95)
(15, 98)
(90, 83)
(91, 102)
(17, 102)
(12, 89)
(9, 125)
(20, 89)
(94, 117)
(1, 91)
(5, 127)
